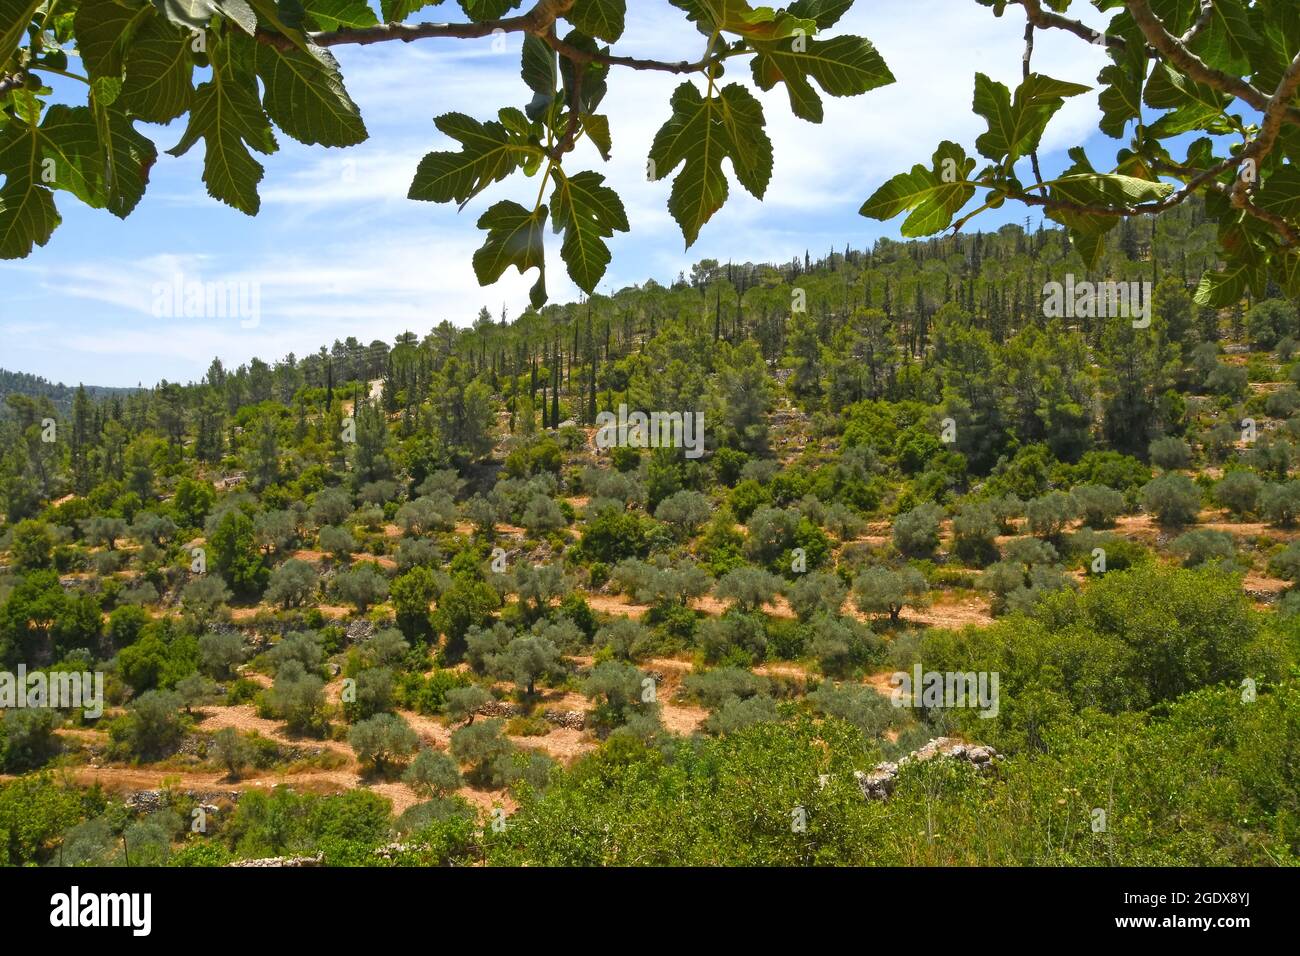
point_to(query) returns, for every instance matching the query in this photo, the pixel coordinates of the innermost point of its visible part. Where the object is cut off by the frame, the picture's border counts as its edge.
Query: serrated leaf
(596, 126)
(737, 16)
(333, 14)
(284, 16)
(515, 238)
(27, 218)
(1286, 272)
(1121, 100)
(700, 133)
(226, 115)
(1228, 286)
(1016, 126)
(15, 15)
(588, 212)
(1090, 246)
(395, 11)
(489, 153)
(306, 98)
(540, 74)
(27, 213)
(741, 116)
(481, 10)
(825, 13)
(595, 76)
(126, 155)
(69, 153)
(103, 30)
(603, 19)
(1228, 41)
(935, 195)
(1192, 105)
(159, 72)
(842, 66)
(1280, 193)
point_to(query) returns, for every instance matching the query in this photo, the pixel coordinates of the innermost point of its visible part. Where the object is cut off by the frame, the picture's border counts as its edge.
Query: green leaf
(588, 212)
(1015, 127)
(489, 154)
(27, 213)
(1281, 193)
(69, 148)
(1121, 100)
(226, 115)
(1228, 42)
(15, 15)
(599, 18)
(1192, 105)
(825, 13)
(540, 74)
(284, 16)
(935, 195)
(1286, 272)
(700, 133)
(515, 238)
(27, 218)
(126, 158)
(395, 11)
(595, 76)
(103, 31)
(842, 66)
(333, 14)
(305, 96)
(741, 116)
(194, 15)
(1228, 286)
(480, 10)
(159, 72)
(737, 16)
(596, 126)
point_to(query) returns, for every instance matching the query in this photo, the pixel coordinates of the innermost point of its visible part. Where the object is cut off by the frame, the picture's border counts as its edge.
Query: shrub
(916, 533)
(381, 740)
(881, 590)
(1172, 498)
(432, 774)
(1097, 505)
(1238, 491)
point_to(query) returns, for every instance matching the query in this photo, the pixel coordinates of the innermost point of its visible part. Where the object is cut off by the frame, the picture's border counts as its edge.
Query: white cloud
(338, 250)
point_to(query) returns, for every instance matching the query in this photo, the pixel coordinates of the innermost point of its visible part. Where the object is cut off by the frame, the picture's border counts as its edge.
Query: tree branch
(538, 21)
(1257, 149)
(1177, 54)
(1025, 67)
(1047, 20)
(1202, 21)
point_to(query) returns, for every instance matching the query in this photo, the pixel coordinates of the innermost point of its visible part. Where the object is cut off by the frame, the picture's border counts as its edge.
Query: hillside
(416, 604)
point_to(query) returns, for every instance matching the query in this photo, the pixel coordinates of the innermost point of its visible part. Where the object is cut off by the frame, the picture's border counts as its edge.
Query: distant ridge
(33, 386)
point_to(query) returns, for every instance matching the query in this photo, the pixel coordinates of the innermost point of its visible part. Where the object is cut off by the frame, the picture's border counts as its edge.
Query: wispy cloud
(338, 249)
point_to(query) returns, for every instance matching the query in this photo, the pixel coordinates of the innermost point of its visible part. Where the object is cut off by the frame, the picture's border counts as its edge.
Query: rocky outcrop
(360, 630)
(499, 708)
(149, 801)
(288, 861)
(878, 783)
(569, 719)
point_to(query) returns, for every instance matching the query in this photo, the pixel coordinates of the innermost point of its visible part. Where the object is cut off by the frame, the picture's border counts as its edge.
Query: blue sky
(338, 249)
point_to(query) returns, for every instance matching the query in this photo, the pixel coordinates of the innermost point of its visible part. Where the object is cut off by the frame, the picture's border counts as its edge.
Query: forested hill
(60, 395)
